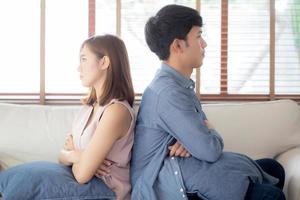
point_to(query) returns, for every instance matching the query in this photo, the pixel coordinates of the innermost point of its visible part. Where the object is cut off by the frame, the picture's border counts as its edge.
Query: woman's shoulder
(119, 109)
(122, 105)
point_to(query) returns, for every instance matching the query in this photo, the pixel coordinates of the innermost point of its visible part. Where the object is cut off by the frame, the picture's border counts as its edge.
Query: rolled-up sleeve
(180, 118)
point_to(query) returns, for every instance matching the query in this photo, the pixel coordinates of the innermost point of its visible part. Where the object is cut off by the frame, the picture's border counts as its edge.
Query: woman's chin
(84, 84)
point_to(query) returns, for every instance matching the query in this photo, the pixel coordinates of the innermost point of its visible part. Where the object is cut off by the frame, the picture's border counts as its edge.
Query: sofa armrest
(290, 160)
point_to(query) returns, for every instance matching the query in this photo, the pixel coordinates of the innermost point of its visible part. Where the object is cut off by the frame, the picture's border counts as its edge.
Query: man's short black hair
(170, 22)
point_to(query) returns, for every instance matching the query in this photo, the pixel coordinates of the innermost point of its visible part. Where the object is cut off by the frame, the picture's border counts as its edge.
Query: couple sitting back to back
(171, 151)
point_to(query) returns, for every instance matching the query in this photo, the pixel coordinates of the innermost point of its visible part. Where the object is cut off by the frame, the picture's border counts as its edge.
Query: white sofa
(260, 130)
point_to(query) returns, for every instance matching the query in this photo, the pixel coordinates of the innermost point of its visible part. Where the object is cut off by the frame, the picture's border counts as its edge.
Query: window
(20, 46)
(248, 47)
(287, 47)
(210, 70)
(66, 28)
(105, 17)
(252, 53)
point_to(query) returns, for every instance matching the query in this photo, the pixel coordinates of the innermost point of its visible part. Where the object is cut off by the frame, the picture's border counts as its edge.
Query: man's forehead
(197, 29)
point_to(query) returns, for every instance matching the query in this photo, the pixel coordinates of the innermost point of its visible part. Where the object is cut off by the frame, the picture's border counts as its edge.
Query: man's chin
(199, 65)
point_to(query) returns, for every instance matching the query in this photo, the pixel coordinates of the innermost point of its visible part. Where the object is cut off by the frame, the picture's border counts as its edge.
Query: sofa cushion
(259, 130)
(46, 180)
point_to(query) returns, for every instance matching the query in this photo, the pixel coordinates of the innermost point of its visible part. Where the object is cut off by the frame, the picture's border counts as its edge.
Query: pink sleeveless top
(118, 179)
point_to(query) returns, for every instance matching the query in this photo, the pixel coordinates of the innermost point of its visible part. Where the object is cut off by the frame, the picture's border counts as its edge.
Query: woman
(95, 158)
(102, 133)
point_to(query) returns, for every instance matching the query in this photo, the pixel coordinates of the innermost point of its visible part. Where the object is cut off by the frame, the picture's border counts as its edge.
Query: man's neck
(183, 70)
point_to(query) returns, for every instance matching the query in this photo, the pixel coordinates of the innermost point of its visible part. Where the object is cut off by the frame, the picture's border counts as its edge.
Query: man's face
(195, 45)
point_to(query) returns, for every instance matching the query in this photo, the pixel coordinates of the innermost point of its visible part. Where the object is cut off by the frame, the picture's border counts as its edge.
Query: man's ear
(177, 46)
(104, 63)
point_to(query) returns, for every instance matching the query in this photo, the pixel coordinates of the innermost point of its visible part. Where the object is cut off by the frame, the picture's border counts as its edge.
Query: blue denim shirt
(170, 111)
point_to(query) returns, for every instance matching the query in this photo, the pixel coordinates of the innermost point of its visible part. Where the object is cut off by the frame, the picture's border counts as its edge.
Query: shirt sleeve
(179, 117)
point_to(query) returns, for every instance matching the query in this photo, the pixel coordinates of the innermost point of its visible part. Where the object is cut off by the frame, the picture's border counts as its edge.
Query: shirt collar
(183, 81)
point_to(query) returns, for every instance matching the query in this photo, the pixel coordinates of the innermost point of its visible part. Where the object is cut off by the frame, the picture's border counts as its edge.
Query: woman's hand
(104, 168)
(68, 158)
(69, 145)
(178, 150)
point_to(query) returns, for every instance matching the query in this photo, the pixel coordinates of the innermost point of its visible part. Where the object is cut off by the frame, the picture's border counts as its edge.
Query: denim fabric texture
(49, 181)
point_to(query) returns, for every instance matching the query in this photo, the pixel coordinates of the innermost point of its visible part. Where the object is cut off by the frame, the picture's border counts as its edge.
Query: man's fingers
(179, 150)
(174, 148)
(172, 151)
(183, 153)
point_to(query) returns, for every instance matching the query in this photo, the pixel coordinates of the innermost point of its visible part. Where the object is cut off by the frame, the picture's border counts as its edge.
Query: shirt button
(183, 196)
(181, 190)
(191, 87)
(176, 172)
(172, 157)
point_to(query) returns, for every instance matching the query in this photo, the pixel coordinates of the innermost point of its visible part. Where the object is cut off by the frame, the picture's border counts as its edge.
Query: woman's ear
(104, 63)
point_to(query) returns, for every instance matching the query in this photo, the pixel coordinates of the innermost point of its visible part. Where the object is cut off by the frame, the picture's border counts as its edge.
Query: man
(177, 152)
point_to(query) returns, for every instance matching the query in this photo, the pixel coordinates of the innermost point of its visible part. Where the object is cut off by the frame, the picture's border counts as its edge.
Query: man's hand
(69, 145)
(104, 168)
(178, 150)
(208, 124)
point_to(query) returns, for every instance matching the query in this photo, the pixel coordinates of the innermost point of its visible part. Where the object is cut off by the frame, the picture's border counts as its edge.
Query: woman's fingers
(102, 171)
(104, 168)
(107, 162)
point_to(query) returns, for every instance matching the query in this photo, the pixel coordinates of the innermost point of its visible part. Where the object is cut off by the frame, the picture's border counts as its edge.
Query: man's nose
(203, 44)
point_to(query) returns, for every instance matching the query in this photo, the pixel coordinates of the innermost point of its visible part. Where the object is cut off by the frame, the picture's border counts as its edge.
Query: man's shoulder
(162, 83)
(160, 88)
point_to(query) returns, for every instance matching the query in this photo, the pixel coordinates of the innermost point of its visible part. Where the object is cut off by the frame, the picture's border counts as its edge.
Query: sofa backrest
(33, 132)
(260, 129)
(263, 129)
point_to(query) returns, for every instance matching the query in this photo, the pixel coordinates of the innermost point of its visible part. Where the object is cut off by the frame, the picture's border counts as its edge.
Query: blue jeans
(258, 191)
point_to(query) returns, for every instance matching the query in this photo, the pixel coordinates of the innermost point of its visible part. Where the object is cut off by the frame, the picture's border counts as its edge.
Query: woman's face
(89, 67)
